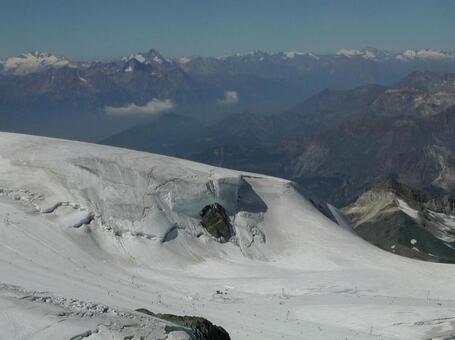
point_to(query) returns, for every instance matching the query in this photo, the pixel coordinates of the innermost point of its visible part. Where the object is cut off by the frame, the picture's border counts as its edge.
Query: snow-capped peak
(184, 60)
(425, 54)
(349, 53)
(32, 62)
(252, 54)
(150, 57)
(291, 54)
(138, 57)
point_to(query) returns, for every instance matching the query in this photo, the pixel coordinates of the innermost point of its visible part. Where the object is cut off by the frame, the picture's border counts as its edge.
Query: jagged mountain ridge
(406, 221)
(37, 61)
(419, 93)
(328, 109)
(418, 151)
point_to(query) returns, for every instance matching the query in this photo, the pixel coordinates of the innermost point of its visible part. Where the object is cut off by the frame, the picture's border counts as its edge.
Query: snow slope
(425, 54)
(121, 228)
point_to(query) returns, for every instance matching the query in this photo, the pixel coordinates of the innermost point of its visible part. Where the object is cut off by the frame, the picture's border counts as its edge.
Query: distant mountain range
(45, 94)
(38, 61)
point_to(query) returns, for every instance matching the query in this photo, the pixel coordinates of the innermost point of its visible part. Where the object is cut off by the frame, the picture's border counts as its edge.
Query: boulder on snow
(216, 221)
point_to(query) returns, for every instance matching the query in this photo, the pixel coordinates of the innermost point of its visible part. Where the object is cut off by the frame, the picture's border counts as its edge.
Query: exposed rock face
(216, 221)
(341, 164)
(202, 328)
(424, 93)
(406, 221)
(418, 199)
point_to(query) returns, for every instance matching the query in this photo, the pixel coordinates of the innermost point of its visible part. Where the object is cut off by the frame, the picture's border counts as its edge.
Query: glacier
(89, 233)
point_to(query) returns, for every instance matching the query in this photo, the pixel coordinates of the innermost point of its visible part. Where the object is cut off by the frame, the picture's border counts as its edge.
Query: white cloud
(230, 98)
(153, 107)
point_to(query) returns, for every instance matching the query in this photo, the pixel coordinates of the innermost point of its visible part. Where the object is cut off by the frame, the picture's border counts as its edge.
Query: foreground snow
(43, 316)
(121, 228)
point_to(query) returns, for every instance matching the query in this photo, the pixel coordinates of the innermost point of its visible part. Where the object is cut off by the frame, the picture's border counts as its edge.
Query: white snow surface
(82, 222)
(348, 53)
(404, 207)
(425, 54)
(292, 54)
(139, 57)
(184, 60)
(38, 315)
(32, 62)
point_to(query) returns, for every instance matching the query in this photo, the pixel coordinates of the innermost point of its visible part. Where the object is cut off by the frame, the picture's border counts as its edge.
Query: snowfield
(32, 62)
(89, 233)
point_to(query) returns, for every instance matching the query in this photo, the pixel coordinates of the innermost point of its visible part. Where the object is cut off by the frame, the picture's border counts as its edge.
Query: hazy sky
(103, 29)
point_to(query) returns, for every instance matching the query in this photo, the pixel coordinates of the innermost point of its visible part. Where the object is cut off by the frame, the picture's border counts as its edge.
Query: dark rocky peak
(104, 68)
(154, 55)
(134, 64)
(147, 61)
(402, 190)
(416, 198)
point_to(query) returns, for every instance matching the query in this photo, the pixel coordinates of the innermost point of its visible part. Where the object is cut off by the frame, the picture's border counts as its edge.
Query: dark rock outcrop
(216, 221)
(202, 328)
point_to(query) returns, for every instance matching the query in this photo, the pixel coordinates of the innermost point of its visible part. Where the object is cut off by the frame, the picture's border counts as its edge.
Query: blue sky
(103, 29)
